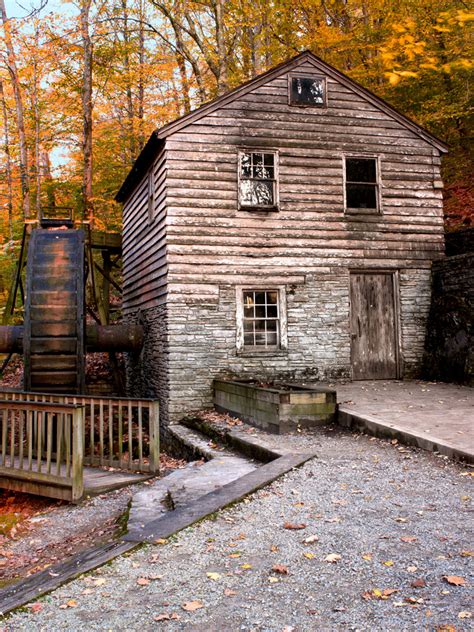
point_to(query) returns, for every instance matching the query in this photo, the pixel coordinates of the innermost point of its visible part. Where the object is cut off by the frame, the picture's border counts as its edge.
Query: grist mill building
(285, 229)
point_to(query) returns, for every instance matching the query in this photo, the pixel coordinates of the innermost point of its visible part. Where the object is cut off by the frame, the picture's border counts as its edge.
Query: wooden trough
(70, 447)
(276, 408)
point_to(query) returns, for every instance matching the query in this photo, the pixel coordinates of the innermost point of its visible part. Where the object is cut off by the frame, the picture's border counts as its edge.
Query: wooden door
(374, 340)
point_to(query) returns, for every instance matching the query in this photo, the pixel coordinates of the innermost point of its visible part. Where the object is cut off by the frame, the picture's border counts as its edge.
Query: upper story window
(362, 184)
(258, 180)
(307, 91)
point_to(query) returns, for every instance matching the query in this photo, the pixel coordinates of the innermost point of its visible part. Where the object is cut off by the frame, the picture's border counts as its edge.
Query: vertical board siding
(144, 242)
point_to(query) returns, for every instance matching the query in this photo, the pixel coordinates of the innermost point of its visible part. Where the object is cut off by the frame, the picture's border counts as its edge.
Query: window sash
(248, 173)
(373, 185)
(254, 335)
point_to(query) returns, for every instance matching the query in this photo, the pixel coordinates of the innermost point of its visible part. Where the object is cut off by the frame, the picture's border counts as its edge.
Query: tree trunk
(141, 80)
(37, 127)
(13, 71)
(223, 78)
(129, 91)
(8, 166)
(87, 205)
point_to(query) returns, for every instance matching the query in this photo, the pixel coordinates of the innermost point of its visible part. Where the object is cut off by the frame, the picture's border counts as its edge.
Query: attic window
(362, 186)
(307, 91)
(257, 180)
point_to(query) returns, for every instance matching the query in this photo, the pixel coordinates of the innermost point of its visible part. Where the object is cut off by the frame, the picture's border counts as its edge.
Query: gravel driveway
(391, 519)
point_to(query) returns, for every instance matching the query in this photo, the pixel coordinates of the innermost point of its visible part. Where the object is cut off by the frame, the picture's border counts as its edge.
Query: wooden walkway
(97, 481)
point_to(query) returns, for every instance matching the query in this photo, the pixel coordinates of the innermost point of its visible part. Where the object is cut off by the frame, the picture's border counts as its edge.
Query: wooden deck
(96, 480)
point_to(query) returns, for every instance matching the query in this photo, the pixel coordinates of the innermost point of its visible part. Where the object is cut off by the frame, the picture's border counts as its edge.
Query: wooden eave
(161, 134)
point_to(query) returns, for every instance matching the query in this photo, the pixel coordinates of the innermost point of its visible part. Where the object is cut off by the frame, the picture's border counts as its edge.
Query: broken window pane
(257, 179)
(361, 183)
(306, 91)
(256, 193)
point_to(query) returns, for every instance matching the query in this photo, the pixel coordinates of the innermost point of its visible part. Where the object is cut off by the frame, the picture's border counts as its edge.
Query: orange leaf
(280, 568)
(408, 538)
(143, 581)
(291, 525)
(455, 580)
(191, 606)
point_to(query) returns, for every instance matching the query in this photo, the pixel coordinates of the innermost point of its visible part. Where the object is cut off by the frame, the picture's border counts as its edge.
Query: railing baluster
(120, 433)
(21, 423)
(29, 433)
(111, 434)
(49, 440)
(5, 416)
(59, 441)
(39, 442)
(130, 439)
(67, 443)
(91, 447)
(140, 436)
(101, 432)
(12, 438)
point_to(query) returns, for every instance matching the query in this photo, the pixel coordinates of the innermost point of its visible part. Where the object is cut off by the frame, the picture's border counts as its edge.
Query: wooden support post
(77, 454)
(154, 430)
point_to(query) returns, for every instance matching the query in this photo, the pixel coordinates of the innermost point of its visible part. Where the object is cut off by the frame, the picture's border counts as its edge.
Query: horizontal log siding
(144, 243)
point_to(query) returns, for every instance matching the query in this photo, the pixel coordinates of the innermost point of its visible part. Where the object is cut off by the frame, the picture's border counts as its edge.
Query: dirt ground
(37, 532)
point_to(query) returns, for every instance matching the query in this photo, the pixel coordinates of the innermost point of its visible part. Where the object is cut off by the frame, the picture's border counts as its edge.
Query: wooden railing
(41, 445)
(118, 432)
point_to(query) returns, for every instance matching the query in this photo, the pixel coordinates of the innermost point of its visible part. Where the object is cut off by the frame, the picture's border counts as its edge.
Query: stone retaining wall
(450, 340)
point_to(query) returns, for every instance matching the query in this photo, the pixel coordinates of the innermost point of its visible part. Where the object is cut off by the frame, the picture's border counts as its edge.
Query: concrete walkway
(434, 416)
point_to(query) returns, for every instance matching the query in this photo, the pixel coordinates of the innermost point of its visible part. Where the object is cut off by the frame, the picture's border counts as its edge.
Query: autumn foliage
(148, 61)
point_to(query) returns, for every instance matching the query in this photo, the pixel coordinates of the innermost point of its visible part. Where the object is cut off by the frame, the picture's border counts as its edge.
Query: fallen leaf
(214, 576)
(408, 538)
(418, 583)
(274, 548)
(246, 567)
(228, 592)
(161, 541)
(455, 580)
(311, 539)
(414, 600)
(401, 519)
(36, 607)
(273, 580)
(310, 556)
(332, 558)
(295, 526)
(467, 553)
(388, 563)
(464, 614)
(412, 569)
(167, 617)
(376, 593)
(100, 582)
(235, 555)
(72, 603)
(367, 557)
(280, 568)
(191, 606)
(143, 581)
(445, 628)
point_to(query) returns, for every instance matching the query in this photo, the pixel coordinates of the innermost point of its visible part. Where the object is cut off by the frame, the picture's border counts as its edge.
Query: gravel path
(395, 516)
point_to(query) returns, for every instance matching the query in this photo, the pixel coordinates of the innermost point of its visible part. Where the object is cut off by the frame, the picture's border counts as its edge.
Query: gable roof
(156, 140)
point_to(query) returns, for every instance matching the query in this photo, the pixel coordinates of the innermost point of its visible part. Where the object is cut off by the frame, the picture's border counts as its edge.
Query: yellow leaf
(310, 556)
(273, 580)
(393, 78)
(388, 563)
(246, 567)
(367, 557)
(161, 541)
(214, 576)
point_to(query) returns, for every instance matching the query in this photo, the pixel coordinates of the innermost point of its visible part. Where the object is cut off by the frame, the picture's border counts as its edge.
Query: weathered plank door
(374, 340)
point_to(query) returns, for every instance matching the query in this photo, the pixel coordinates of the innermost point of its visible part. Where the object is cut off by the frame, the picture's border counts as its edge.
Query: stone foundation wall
(147, 372)
(450, 339)
(191, 342)
(415, 300)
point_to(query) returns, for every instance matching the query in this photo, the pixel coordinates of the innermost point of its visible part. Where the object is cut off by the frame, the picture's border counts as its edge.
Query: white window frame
(282, 313)
(308, 75)
(276, 201)
(151, 194)
(378, 185)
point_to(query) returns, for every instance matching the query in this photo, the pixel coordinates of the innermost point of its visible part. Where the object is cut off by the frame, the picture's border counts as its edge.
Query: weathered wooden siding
(144, 242)
(311, 229)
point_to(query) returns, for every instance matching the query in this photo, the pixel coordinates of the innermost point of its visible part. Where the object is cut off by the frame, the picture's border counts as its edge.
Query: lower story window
(261, 318)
